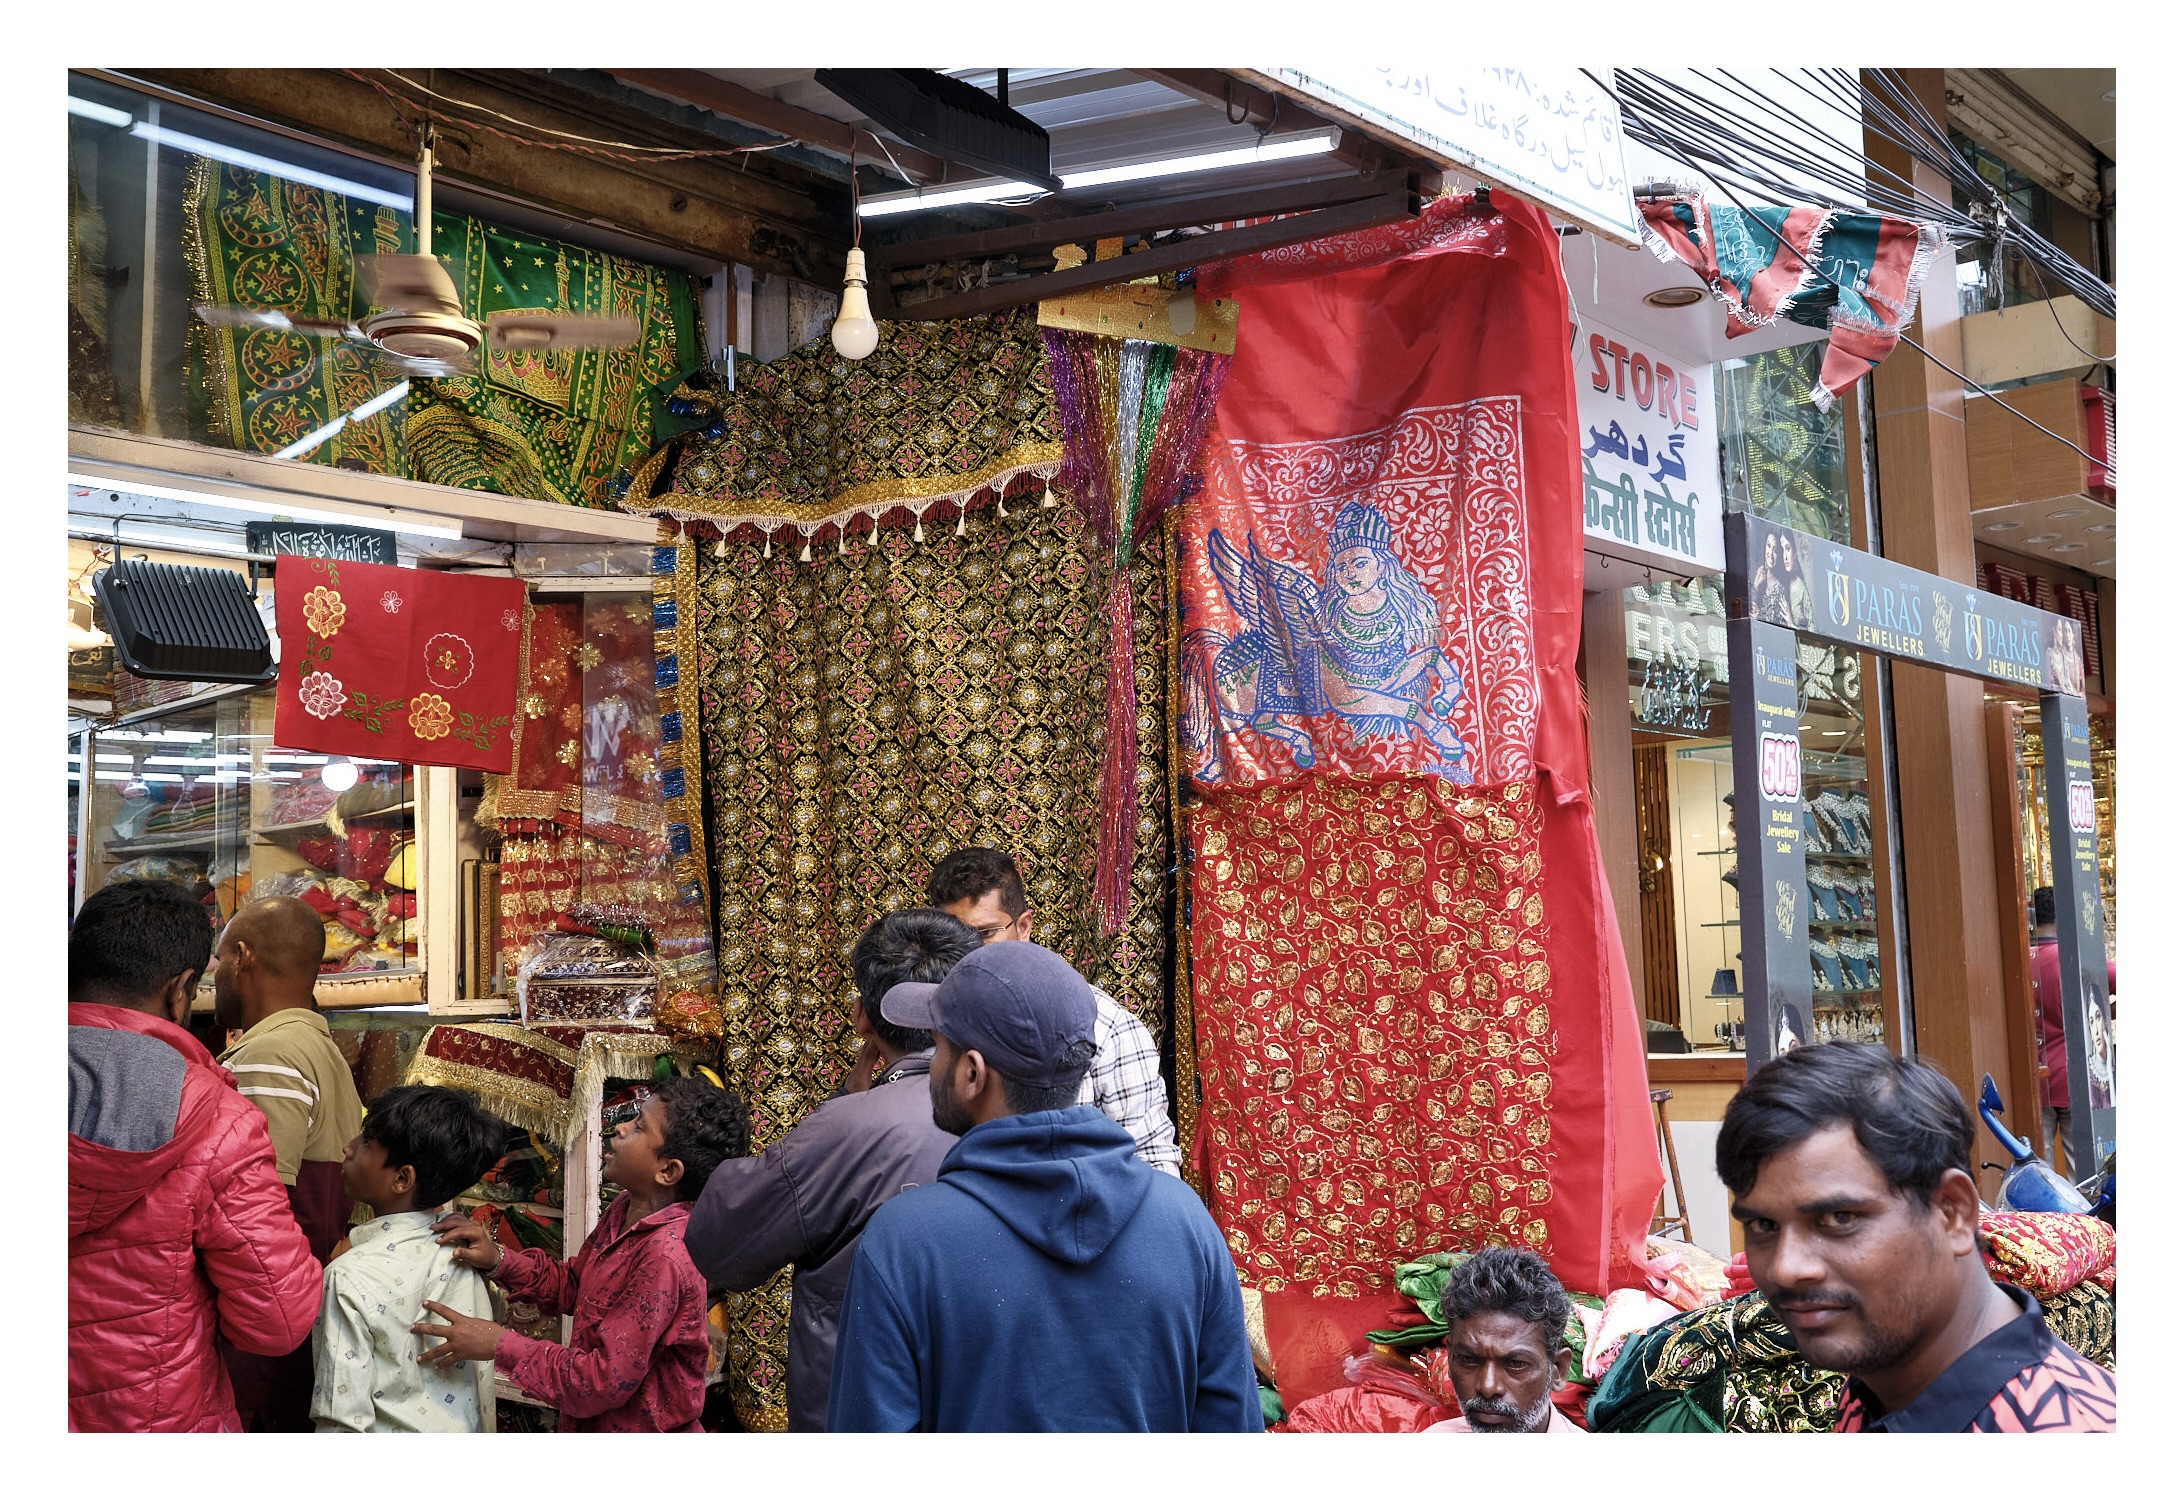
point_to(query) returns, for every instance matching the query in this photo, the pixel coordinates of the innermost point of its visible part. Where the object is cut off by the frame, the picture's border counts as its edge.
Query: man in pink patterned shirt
(635, 1361)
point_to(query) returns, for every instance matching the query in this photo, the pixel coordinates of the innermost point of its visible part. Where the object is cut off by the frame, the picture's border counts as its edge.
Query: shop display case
(198, 791)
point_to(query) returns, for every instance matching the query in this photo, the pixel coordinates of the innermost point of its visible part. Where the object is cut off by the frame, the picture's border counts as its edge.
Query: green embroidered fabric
(545, 425)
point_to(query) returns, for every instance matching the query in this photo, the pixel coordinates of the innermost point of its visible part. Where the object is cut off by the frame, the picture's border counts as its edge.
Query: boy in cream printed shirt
(420, 1146)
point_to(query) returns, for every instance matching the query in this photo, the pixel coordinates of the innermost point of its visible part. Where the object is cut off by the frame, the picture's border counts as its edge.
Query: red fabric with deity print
(1404, 954)
(400, 664)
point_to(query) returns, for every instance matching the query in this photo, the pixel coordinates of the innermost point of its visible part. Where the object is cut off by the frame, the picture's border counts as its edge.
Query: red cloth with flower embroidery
(396, 664)
(635, 1361)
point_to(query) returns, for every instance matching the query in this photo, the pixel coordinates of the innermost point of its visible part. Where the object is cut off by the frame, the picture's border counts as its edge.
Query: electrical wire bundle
(1776, 154)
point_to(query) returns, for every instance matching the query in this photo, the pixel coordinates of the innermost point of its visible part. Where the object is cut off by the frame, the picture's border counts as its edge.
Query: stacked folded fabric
(189, 811)
(301, 801)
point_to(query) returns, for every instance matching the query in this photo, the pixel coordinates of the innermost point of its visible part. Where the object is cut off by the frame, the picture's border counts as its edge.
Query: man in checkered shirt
(981, 888)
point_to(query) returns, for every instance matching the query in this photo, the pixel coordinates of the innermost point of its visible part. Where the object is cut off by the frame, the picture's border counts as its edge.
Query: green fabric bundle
(1423, 1280)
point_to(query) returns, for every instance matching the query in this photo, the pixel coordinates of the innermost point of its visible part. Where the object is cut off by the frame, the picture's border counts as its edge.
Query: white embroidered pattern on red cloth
(1449, 482)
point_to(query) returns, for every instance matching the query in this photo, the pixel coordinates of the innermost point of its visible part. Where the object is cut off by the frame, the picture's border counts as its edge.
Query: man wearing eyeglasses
(982, 889)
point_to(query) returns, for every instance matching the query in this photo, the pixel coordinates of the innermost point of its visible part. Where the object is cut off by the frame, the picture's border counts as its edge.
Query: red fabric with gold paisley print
(1415, 1023)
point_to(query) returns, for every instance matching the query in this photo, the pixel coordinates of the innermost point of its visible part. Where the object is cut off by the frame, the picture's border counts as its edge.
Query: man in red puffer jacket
(179, 1231)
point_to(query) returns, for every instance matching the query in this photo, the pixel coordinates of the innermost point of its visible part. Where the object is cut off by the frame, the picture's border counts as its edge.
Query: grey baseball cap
(1019, 1004)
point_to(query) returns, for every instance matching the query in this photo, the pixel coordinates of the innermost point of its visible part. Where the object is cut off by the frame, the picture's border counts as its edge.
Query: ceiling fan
(420, 328)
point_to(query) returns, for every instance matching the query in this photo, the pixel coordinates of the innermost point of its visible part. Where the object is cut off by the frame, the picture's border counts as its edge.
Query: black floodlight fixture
(193, 624)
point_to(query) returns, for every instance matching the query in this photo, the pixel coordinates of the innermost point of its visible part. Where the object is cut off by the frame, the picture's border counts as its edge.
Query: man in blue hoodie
(1049, 1280)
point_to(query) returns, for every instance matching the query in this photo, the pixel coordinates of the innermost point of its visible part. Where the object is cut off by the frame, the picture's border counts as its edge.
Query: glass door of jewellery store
(1789, 592)
(1684, 780)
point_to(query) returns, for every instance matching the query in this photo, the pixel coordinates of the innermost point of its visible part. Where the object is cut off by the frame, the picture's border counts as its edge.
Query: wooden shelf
(150, 844)
(307, 825)
(1714, 1066)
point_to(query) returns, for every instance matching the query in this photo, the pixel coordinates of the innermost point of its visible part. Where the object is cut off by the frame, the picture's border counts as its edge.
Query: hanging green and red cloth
(1855, 275)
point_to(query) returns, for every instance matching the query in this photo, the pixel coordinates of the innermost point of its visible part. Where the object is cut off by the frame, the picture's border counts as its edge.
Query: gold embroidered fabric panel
(1371, 989)
(867, 712)
(938, 412)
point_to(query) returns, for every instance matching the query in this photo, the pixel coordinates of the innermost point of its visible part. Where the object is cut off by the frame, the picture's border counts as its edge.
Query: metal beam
(777, 219)
(1136, 219)
(1196, 251)
(735, 102)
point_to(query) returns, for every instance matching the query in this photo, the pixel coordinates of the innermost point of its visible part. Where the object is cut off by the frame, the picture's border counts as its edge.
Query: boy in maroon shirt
(635, 1361)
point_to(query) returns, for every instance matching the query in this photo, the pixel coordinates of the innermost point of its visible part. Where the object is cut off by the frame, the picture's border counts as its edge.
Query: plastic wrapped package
(583, 977)
(188, 874)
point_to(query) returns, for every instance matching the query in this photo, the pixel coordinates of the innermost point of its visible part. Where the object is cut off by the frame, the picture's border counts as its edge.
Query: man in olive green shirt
(286, 1064)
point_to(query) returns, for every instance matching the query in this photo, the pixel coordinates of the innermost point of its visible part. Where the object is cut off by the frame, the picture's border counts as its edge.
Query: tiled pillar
(1956, 931)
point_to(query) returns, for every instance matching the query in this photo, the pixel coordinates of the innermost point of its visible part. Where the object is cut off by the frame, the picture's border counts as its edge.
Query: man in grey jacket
(804, 1201)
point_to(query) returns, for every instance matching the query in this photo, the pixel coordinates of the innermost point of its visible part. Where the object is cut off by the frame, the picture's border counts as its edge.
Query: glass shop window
(1978, 290)
(172, 210)
(1782, 458)
(153, 230)
(202, 795)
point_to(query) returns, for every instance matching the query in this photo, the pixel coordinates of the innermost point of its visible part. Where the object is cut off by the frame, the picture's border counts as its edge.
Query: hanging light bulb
(855, 334)
(339, 773)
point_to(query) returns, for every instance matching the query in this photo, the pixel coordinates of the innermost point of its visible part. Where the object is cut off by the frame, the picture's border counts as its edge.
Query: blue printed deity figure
(1363, 642)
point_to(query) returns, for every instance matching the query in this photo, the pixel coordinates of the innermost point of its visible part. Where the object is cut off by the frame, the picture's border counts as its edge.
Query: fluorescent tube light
(372, 408)
(905, 203)
(288, 171)
(398, 521)
(381, 402)
(182, 539)
(100, 112)
(1273, 149)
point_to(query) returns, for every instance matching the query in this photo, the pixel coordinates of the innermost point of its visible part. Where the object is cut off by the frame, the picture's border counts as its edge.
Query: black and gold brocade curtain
(864, 714)
(900, 647)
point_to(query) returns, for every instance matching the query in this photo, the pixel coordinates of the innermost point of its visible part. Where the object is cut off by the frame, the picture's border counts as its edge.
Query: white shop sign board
(1649, 449)
(1549, 134)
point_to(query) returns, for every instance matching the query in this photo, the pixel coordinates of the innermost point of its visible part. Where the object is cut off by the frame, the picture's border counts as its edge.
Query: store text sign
(342, 544)
(1825, 589)
(1647, 440)
(1550, 134)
